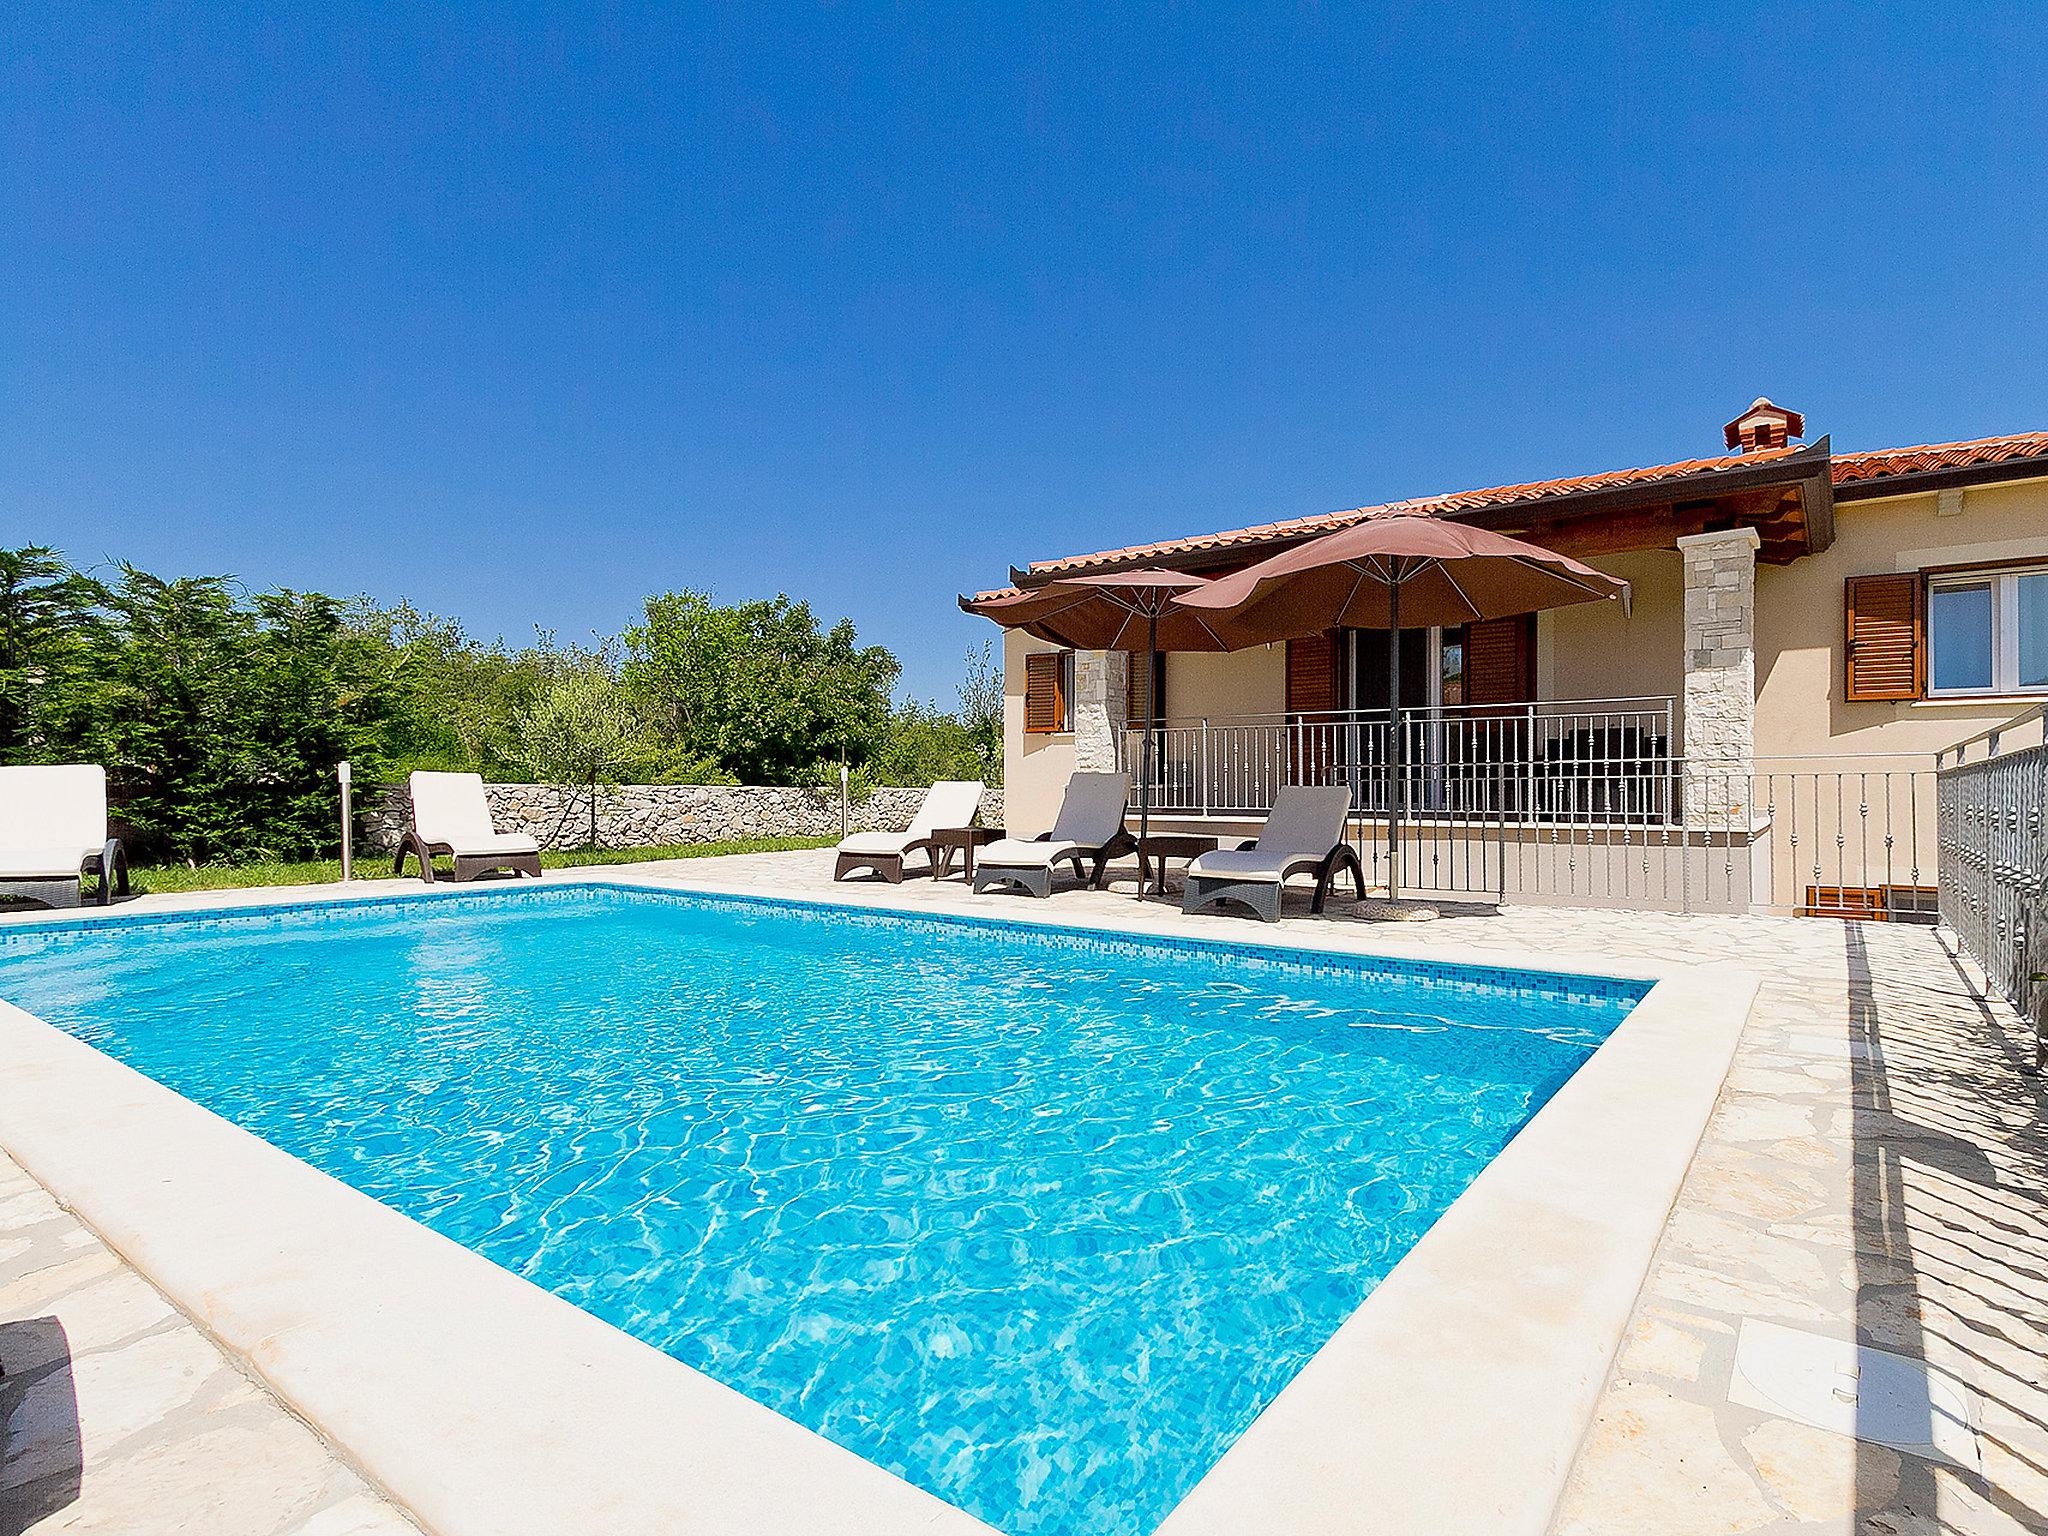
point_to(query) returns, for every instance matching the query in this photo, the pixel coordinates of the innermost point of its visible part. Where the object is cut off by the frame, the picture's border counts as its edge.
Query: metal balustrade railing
(1992, 791)
(1575, 803)
(1521, 761)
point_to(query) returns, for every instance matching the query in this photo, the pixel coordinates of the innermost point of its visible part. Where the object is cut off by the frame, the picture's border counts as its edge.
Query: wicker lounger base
(1036, 879)
(1031, 879)
(1264, 896)
(467, 865)
(65, 891)
(888, 865)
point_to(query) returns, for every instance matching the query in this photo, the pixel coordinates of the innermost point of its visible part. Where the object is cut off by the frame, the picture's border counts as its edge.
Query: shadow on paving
(1924, 1113)
(41, 1455)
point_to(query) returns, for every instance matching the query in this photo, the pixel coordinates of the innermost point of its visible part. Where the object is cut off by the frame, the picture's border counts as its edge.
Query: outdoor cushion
(948, 803)
(880, 842)
(1092, 810)
(497, 842)
(1018, 852)
(1306, 823)
(50, 807)
(39, 863)
(1251, 864)
(451, 808)
(1306, 819)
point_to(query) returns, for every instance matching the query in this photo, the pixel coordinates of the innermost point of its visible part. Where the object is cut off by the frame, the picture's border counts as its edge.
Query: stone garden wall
(659, 815)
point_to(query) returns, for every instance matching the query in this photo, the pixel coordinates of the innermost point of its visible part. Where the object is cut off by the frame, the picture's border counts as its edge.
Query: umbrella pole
(1394, 732)
(1145, 756)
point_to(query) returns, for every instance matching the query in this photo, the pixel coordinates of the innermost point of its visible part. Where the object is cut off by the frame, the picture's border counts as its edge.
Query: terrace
(1572, 801)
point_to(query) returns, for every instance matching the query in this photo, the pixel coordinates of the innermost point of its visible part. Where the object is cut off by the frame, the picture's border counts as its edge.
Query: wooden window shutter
(1500, 661)
(1045, 704)
(1887, 636)
(1134, 699)
(1312, 674)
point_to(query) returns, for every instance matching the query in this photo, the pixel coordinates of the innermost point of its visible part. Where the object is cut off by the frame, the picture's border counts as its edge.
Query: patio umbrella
(1112, 612)
(1381, 572)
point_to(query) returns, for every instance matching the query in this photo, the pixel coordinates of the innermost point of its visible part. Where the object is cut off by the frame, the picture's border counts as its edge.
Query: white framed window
(1987, 632)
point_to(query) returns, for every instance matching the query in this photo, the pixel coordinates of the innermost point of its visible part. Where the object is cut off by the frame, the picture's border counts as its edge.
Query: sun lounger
(1090, 826)
(450, 815)
(1304, 835)
(53, 832)
(948, 805)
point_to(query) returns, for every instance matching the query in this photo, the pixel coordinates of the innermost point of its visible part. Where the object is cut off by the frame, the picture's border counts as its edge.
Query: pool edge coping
(1456, 1399)
(1459, 1464)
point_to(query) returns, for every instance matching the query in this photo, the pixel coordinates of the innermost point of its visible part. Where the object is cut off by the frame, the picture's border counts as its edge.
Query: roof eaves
(1591, 491)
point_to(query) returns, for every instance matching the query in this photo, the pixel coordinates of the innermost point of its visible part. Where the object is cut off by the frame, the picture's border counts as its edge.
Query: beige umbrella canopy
(1120, 611)
(1391, 569)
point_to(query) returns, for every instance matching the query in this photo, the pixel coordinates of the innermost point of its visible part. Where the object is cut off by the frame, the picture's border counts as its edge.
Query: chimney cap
(1763, 425)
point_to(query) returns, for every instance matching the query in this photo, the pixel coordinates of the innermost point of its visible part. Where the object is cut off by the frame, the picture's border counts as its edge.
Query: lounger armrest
(113, 863)
(1243, 843)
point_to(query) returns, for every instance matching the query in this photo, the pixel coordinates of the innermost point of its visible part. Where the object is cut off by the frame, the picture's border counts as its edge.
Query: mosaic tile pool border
(1486, 980)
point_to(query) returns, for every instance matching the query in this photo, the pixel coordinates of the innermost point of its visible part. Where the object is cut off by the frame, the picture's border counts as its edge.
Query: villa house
(1752, 729)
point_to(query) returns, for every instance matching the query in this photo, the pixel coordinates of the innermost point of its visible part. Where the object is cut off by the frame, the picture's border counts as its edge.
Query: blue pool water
(1039, 1220)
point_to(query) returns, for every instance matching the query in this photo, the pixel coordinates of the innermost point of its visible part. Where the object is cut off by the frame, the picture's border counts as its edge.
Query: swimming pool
(1037, 1218)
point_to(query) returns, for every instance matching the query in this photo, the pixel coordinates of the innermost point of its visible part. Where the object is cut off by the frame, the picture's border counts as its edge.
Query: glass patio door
(1432, 680)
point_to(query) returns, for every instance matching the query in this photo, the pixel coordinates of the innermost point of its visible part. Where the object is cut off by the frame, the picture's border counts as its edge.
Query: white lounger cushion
(1250, 864)
(948, 803)
(450, 809)
(498, 842)
(1092, 810)
(44, 863)
(879, 842)
(1021, 853)
(1091, 813)
(1307, 822)
(46, 812)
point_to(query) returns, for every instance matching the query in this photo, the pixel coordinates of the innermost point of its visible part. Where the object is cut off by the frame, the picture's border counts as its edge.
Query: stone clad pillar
(1719, 739)
(1101, 703)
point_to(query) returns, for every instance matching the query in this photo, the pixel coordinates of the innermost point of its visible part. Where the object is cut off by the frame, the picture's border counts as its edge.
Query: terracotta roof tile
(1434, 506)
(1879, 463)
(1848, 468)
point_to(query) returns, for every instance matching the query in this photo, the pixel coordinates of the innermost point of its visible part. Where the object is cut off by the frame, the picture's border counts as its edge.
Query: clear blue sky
(524, 318)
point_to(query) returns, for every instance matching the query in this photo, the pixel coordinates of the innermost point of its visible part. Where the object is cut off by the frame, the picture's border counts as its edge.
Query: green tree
(453, 698)
(221, 720)
(759, 689)
(981, 710)
(580, 729)
(49, 617)
(922, 746)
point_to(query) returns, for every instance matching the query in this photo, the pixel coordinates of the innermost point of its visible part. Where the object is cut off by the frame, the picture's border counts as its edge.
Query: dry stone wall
(661, 815)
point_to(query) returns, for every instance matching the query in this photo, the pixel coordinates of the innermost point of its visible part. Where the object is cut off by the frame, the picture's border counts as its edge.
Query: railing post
(1529, 757)
(1205, 765)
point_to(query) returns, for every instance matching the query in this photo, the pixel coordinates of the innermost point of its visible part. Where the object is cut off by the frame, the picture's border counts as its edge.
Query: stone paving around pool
(1874, 1174)
(119, 1415)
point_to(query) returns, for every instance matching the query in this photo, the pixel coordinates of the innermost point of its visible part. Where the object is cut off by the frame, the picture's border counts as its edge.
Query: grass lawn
(223, 877)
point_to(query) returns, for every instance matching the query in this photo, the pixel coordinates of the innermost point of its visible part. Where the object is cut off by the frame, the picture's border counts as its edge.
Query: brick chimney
(1764, 425)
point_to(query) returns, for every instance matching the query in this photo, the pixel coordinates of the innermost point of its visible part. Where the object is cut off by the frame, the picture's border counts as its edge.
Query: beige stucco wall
(1598, 652)
(1595, 652)
(1035, 767)
(1613, 651)
(1214, 685)
(1801, 706)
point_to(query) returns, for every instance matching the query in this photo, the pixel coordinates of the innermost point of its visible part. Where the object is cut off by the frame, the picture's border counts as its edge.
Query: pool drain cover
(1870, 1394)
